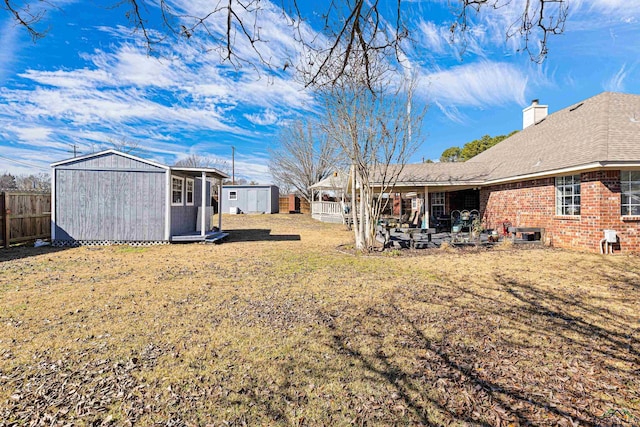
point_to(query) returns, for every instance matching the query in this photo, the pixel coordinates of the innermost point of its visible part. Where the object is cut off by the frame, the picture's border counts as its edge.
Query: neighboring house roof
(601, 131)
(337, 180)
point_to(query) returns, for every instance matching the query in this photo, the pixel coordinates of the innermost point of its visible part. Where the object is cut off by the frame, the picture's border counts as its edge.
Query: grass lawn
(277, 327)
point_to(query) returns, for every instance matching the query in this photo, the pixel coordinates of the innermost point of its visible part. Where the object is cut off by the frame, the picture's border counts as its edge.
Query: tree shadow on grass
(474, 375)
(27, 251)
(597, 328)
(259, 235)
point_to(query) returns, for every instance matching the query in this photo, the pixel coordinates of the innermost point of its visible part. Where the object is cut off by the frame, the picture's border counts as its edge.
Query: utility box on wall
(250, 198)
(610, 236)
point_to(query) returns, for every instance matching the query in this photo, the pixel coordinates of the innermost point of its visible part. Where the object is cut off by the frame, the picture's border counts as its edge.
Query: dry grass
(276, 327)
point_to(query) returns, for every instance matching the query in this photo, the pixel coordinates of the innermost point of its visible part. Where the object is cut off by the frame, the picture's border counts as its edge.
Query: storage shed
(112, 196)
(250, 198)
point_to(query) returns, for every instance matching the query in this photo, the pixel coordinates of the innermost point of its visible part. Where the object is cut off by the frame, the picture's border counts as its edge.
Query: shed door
(262, 201)
(252, 200)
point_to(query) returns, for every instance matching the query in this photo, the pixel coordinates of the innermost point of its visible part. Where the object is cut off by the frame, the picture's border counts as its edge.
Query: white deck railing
(326, 208)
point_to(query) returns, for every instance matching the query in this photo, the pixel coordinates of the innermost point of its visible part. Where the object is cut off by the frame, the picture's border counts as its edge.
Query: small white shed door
(262, 200)
(252, 200)
(257, 200)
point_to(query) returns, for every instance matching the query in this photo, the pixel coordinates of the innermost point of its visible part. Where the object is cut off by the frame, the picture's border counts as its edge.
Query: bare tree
(378, 131)
(123, 144)
(538, 20)
(200, 161)
(304, 157)
(354, 30)
(8, 181)
(38, 182)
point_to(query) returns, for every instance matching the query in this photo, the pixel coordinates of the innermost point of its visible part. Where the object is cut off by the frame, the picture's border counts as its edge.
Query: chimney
(534, 113)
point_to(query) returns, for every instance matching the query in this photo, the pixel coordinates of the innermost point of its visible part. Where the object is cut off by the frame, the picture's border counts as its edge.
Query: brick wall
(532, 204)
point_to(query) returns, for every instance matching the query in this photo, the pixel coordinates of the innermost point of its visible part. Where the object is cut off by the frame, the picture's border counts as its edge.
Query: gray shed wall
(251, 198)
(109, 198)
(183, 218)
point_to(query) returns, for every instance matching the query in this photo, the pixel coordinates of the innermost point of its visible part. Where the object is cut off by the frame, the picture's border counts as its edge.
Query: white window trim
(438, 200)
(630, 193)
(560, 197)
(235, 193)
(193, 192)
(182, 198)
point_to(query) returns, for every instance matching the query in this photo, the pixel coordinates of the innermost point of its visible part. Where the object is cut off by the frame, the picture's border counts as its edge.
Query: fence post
(7, 220)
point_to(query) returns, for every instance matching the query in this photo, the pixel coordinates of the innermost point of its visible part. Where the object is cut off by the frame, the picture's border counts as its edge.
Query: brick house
(575, 173)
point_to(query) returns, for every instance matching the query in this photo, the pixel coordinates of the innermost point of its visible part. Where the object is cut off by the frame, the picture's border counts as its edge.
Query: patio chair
(383, 236)
(455, 217)
(404, 219)
(456, 224)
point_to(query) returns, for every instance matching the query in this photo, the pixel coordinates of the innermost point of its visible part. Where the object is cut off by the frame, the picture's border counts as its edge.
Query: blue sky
(90, 81)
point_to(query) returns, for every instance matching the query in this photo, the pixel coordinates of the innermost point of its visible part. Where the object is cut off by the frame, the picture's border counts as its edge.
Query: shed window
(630, 193)
(189, 192)
(233, 195)
(177, 191)
(568, 195)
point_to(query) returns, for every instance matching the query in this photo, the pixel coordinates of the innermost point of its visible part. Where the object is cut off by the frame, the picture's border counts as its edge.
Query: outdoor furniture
(442, 223)
(528, 234)
(505, 227)
(403, 237)
(420, 237)
(466, 219)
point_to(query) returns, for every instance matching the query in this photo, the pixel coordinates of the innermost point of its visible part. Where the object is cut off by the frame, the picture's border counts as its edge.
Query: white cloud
(499, 26)
(31, 134)
(432, 36)
(619, 8)
(156, 102)
(83, 78)
(253, 168)
(616, 82)
(266, 118)
(479, 85)
(9, 33)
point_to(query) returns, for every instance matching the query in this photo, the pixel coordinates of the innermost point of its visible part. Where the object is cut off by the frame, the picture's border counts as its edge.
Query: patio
(416, 238)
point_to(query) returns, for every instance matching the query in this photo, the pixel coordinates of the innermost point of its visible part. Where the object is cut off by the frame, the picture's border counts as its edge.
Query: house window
(177, 190)
(568, 195)
(233, 195)
(630, 192)
(437, 204)
(189, 192)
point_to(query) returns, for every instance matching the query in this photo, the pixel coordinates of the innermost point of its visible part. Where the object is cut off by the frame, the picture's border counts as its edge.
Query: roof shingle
(603, 128)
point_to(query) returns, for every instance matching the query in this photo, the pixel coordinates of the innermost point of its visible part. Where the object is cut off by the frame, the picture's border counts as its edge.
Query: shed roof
(198, 171)
(102, 153)
(183, 170)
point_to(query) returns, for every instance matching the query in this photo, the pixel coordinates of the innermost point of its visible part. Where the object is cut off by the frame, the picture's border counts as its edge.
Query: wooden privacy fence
(292, 203)
(24, 216)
